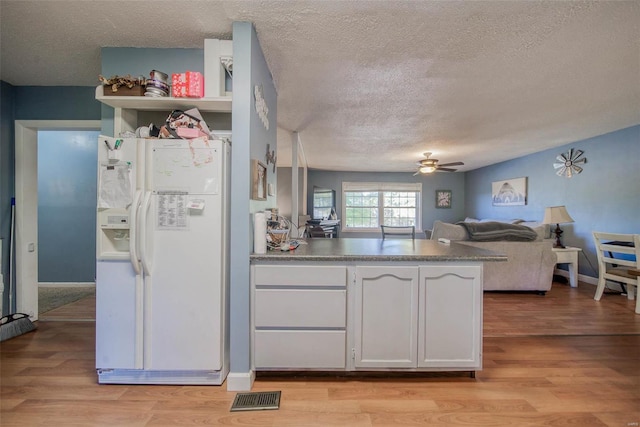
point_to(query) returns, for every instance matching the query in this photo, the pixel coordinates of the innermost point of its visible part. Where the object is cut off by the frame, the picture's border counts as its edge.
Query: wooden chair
(617, 269)
(394, 231)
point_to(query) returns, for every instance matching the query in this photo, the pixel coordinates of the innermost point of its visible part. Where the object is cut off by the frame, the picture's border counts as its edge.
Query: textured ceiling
(371, 85)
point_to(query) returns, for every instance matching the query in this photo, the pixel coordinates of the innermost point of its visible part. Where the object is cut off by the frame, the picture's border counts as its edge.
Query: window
(323, 201)
(367, 205)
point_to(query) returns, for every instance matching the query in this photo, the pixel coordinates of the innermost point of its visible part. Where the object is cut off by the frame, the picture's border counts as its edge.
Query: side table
(569, 255)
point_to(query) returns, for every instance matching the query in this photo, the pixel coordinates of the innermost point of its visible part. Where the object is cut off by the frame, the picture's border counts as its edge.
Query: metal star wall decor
(568, 163)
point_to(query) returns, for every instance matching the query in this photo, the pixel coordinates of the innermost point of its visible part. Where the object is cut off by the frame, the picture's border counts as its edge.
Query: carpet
(50, 298)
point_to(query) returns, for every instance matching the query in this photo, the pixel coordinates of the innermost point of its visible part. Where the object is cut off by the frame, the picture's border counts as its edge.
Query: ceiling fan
(430, 165)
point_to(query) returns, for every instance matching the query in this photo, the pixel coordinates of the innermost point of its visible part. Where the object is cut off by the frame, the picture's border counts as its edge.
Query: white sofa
(530, 264)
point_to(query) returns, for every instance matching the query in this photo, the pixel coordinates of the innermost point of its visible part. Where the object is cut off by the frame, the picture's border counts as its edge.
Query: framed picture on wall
(443, 199)
(509, 192)
(259, 180)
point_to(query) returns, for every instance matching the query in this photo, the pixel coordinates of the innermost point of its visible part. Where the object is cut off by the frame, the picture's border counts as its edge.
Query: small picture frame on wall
(443, 199)
(259, 180)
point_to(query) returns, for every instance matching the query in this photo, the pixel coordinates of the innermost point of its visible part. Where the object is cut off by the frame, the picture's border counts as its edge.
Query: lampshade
(556, 215)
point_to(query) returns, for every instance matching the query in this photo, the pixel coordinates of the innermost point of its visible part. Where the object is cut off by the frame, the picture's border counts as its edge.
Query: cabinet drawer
(300, 308)
(300, 349)
(300, 275)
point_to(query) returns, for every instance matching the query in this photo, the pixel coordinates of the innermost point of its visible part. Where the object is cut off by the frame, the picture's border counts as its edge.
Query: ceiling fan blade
(446, 169)
(561, 158)
(582, 160)
(576, 169)
(558, 165)
(561, 171)
(576, 154)
(452, 164)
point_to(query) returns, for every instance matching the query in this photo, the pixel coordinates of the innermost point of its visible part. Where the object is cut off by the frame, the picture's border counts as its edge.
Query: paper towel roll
(259, 233)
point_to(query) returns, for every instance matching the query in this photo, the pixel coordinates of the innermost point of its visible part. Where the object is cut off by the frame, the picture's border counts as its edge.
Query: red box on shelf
(189, 84)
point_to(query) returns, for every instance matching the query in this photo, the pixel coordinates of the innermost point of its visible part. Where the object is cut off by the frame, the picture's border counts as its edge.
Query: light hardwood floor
(557, 360)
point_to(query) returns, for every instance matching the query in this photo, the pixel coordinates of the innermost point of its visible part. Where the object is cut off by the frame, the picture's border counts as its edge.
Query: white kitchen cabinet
(450, 317)
(386, 317)
(299, 317)
(418, 317)
(395, 316)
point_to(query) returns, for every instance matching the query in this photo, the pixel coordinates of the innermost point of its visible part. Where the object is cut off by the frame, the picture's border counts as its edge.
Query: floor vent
(256, 401)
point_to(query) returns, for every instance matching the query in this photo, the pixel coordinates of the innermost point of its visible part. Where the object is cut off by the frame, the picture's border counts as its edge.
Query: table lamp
(557, 215)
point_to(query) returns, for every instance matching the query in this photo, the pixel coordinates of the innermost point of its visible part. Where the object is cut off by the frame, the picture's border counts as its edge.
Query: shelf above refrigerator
(146, 103)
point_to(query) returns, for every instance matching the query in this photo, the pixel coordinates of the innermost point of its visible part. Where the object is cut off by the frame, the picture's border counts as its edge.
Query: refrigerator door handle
(146, 263)
(133, 228)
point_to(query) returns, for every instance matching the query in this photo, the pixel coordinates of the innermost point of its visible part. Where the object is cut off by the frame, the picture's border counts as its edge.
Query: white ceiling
(371, 85)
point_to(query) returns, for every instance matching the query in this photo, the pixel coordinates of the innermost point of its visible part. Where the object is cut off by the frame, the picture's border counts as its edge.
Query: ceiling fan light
(427, 169)
(428, 162)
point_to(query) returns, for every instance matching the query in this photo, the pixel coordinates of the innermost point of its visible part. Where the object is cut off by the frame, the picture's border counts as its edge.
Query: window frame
(381, 188)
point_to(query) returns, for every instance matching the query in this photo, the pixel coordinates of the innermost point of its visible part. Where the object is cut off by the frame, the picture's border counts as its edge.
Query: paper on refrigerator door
(171, 210)
(190, 164)
(115, 186)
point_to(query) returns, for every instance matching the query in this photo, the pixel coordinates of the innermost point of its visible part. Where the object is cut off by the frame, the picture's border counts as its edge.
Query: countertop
(345, 249)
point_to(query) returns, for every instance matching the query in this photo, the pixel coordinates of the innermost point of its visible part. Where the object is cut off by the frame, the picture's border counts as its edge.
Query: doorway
(26, 194)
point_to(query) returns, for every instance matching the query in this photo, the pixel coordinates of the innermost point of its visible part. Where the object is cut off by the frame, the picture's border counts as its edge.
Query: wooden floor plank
(557, 360)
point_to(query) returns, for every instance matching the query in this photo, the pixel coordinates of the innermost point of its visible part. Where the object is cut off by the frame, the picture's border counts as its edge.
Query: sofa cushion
(543, 230)
(448, 231)
(498, 231)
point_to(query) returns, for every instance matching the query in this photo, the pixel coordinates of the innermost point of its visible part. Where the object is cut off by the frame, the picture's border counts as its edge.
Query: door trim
(26, 194)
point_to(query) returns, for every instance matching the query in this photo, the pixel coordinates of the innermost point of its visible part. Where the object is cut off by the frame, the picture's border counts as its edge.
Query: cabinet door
(450, 323)
(386, 317)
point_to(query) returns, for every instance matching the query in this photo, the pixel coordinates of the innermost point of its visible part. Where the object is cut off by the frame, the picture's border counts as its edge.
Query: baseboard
(581, 277)
(240, 381)
(66, 284)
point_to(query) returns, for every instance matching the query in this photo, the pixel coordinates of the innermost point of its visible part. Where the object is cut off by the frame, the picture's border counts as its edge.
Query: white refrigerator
(162, 274)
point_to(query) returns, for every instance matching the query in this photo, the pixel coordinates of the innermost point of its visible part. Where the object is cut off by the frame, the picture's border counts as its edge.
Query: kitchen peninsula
(369, 305)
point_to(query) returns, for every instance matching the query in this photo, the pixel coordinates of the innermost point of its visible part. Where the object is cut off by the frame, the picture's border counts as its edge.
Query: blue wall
(430, 183)
(67, 171)
(140, 61)
(250, 139)
(56, 103)
(604, 197)
(33, 103)
(7, 154)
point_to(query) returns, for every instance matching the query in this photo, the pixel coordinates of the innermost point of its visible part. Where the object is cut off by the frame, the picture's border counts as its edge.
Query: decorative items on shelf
(123, 85)
(568, 163)
(189, 84)
(157, 84)
(185, 124)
